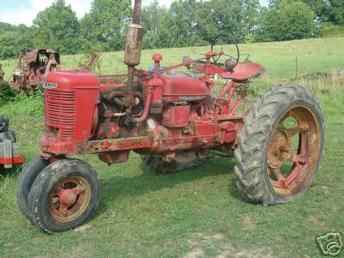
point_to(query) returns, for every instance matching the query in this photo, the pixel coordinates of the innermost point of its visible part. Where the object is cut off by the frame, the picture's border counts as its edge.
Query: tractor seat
(244, 72)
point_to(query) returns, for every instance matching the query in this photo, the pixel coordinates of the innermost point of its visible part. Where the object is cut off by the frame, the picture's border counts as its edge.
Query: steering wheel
(232, 61)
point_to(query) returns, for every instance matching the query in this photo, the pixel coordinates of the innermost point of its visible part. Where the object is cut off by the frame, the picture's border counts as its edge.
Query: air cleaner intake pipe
(132, 55)
(137, 12)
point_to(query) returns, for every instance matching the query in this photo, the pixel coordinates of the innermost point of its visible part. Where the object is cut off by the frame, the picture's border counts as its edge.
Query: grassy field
(197, 213)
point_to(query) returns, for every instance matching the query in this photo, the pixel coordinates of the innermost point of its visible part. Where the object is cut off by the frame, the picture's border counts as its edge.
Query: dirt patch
(218, 246)
(248, 223)
(195, 253)
(255, 253)
(316, 221)
(83, 228)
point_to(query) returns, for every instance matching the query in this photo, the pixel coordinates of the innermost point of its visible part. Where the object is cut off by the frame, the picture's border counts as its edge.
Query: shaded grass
(195, 212)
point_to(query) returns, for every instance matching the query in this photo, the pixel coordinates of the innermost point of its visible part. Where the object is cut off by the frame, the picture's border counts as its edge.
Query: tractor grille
(60, 111)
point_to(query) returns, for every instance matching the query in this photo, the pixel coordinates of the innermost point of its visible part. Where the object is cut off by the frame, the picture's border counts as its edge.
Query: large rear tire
(65, 195)
(280, 146)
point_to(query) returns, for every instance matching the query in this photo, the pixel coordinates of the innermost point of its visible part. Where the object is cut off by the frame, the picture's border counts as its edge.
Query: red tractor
(170, 117)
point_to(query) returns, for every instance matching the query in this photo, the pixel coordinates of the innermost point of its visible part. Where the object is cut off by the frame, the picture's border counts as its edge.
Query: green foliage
(287, 20)
(337, 11)
(156, 20)
(105, 25)
(321, 8)
(194, 23)
(184, 23)
(57, 27)
(6, 93)
(329, 30)
(214, 23)
(13, 39)
(4, 27)
(327, 10)
(251, 18)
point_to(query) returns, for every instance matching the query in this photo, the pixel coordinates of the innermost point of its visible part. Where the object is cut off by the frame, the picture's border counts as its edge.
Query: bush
(6, 93)
(329, 30)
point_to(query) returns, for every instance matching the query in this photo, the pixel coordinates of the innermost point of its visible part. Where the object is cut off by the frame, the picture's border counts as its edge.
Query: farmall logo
(49, 85)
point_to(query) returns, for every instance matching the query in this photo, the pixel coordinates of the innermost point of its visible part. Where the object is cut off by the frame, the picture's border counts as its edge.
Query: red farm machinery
(9, 158)
(32, 68)
(170, 117)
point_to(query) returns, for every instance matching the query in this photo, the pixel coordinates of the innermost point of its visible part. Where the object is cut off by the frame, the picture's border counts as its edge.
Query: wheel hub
(69, 199)
(279, 151)
(290, 153)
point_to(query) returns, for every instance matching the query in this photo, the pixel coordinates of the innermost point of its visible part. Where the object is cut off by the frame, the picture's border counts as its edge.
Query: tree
(106, 23)
(209, 27)
(321, 8)
(337, 11)
(325, 10)
(228, 21)
(251, 13)
(13, 39)
(155, 24)
(287, 20)
(57, 27)
(182, 22)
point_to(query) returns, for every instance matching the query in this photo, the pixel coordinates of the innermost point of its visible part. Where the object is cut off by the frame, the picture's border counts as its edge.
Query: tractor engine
(162, 111)
(71, 100)
(81, 108)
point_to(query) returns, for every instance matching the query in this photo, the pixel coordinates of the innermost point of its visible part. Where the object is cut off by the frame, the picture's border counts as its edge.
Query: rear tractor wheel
(280, 146)
(64, 196)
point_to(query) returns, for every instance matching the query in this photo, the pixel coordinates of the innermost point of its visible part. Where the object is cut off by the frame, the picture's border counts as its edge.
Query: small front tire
(25, 182)
(64, 196)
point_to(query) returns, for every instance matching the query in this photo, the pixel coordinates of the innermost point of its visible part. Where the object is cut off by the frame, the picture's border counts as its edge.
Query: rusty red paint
(80, 125)
(162, 110)
(16, 160)
(171, 117)
(157, 58)
(69, 198)
(32, 68)
(286, 178)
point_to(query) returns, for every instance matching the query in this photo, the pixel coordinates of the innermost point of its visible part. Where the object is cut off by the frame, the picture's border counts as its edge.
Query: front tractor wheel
(26, 179)
(280, 146)
(64, 196)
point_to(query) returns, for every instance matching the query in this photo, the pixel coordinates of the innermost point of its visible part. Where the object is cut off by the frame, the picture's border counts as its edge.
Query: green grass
(197, 213)
(315, 55)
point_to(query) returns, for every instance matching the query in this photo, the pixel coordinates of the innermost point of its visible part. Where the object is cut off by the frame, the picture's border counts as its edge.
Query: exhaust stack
(132, 56)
